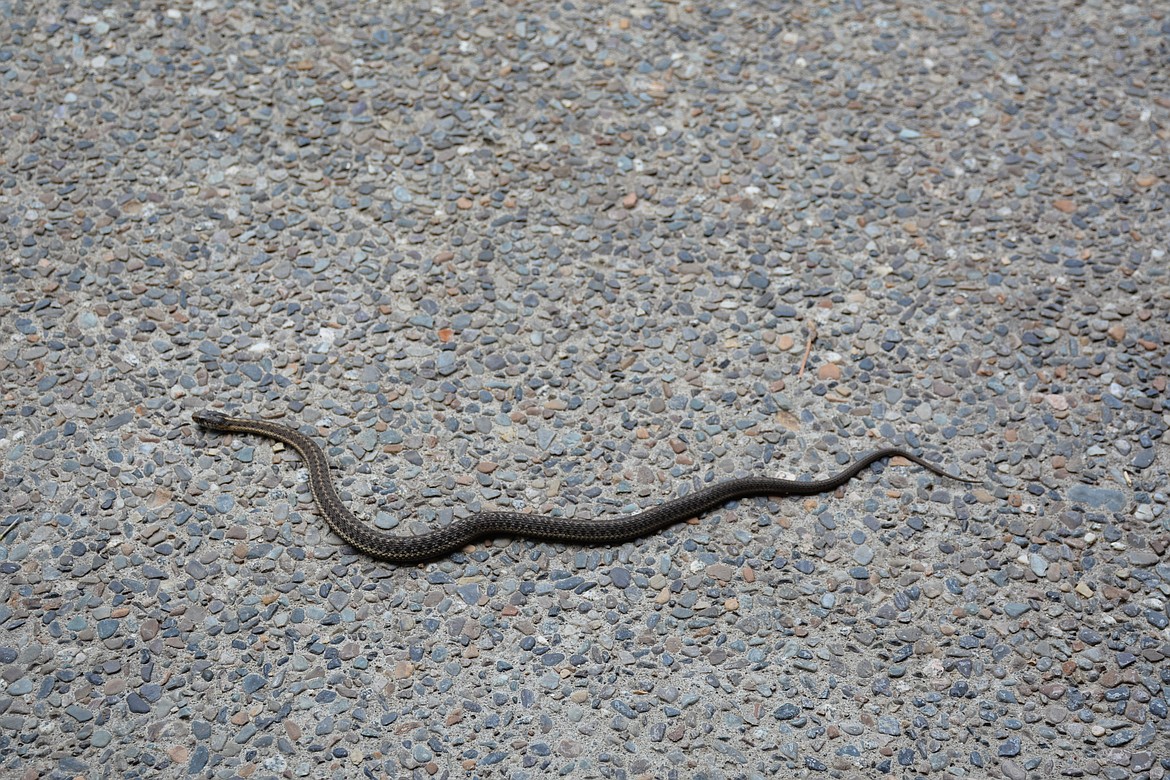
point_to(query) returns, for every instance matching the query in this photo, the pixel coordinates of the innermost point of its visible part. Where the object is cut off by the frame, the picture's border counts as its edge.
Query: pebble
(1013, 769)
(786, 711)
(556, 261)
(253, 683)
(1113, 500)
(79, 713)
(1038, 565)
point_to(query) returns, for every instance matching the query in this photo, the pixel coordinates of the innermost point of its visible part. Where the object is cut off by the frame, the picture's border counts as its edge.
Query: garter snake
(435, 544)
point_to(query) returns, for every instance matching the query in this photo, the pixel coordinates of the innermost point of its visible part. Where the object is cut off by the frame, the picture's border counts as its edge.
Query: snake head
(210, 418)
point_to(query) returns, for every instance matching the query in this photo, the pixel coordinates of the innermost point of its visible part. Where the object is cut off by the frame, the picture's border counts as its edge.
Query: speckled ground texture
(581, 259)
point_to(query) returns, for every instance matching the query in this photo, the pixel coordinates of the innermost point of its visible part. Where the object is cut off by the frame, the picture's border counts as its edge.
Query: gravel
(579, 260)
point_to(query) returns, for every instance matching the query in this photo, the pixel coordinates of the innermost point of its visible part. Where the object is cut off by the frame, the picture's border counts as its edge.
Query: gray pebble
(199, 759)
(469, 592)
(1113, 500)
(1038, 565)
(786, 711)
(20, 687)
(253, 683)
(1011, 769)
(79, 713)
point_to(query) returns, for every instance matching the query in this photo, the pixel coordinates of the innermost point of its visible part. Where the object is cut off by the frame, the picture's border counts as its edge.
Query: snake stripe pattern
(438, 543)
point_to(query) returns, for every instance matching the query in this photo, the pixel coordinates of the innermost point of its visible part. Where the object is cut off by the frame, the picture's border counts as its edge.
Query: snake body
(435, 544)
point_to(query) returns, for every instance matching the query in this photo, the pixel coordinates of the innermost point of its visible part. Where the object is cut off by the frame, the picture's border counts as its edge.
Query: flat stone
(1104, 498)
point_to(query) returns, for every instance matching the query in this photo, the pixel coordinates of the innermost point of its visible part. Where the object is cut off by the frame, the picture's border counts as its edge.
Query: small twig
(11, 527)
(812, 336)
